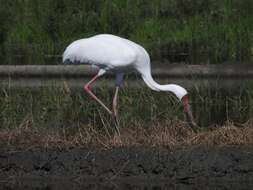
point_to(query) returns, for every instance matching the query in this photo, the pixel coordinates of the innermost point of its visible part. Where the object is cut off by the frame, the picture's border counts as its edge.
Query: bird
(111, 53)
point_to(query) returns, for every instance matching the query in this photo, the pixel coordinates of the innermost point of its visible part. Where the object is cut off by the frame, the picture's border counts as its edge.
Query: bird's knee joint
(87, 88)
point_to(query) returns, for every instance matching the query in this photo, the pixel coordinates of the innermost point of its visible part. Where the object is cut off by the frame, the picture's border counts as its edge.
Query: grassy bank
(174, 134)
(203, 31)
(57, 116)
(61, 107)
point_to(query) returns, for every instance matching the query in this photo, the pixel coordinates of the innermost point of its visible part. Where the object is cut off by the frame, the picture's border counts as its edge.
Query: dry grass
(170, 135)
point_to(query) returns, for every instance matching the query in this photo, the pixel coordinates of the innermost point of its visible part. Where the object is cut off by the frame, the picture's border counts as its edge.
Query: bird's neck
(175, 89)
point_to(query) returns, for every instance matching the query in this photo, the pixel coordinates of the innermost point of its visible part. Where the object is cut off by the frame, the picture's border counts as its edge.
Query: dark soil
(184, 165)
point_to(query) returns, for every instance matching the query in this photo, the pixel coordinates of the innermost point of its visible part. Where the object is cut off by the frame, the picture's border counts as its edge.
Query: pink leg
(87, 89)
(115, 111)
(114, 103)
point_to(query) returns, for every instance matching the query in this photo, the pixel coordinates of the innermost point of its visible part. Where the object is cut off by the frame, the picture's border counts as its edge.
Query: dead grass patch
(168, 134)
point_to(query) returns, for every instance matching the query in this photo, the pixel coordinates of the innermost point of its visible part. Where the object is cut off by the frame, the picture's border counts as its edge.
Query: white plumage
(109, 52)
(119, 55)
(103, 50)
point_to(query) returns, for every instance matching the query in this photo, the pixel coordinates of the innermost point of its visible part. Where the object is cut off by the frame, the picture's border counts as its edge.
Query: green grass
(61, 107)
(203, 31)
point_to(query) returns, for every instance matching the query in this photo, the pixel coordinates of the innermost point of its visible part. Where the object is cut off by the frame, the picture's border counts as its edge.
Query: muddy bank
(184, 165)
(130, 184)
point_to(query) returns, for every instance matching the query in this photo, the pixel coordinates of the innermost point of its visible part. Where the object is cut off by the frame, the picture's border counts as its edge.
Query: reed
(171, 135)
(61, 107)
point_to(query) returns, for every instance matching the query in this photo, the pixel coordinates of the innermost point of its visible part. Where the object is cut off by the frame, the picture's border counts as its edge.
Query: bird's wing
(103, 51)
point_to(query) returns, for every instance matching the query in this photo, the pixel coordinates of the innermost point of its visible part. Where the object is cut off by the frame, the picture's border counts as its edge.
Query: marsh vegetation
(71, 115)
(204, 31)
(194, 32)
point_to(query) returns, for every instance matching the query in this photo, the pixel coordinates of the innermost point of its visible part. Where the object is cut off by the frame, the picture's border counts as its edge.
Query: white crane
(116, 54)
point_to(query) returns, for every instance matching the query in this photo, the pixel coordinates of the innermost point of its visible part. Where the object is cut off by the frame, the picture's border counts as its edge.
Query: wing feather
(101, 50)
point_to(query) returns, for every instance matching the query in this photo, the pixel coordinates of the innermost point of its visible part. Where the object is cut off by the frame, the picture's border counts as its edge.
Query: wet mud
(127, 164)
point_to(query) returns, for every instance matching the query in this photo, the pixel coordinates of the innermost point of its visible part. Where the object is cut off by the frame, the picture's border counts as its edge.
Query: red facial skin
(185, 102)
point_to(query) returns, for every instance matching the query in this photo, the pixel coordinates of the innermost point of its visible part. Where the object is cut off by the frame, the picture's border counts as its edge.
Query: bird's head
(188, 112)
(183, 96)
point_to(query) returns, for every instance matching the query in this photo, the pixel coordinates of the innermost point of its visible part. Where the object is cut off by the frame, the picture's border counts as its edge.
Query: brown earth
(159, 156)
(184, 165)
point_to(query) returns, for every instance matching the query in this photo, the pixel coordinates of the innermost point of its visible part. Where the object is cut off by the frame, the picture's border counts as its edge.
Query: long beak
(188, 112)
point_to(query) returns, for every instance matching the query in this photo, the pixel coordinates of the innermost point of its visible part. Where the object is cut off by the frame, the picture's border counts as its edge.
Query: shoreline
(159, 156)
